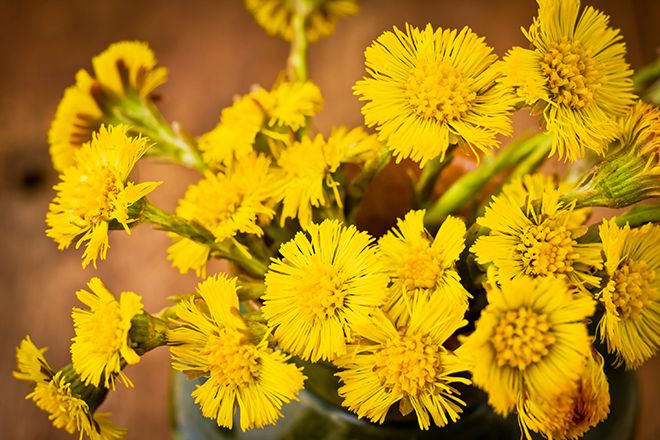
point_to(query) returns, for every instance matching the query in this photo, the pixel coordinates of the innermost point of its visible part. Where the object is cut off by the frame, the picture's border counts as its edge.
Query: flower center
(572, 75)
(105, 330)
(322, 292)
(436, 89)
(420, 270)
(233, 362)
(547, 249)
(407, 364)
(632, 290)
(522, 337)
(97, 193)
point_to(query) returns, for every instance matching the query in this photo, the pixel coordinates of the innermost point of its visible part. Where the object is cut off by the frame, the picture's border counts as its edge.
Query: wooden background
(214, 50)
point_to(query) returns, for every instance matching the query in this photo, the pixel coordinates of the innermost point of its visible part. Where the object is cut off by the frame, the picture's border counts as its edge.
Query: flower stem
(194, 231)
(466, 188)
(297, 62)
(430, 173)
(358, 187)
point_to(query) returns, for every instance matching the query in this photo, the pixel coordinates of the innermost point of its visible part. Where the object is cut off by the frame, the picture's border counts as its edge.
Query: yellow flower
(234, 137)
(573, 411)
(575, 72)
(101, 341)
(76, 119)
(213, 341)
(270, 113)
(429, 89)
(128, 67)
(322, 286)
(53, 394)
(320, 16)
(530, 340)
(631, 322)
(226, 204)
(305, 178)
(533, 234)
(409, 366)
(125, 67)
(423, 266)
(353, 146)
(95, 191)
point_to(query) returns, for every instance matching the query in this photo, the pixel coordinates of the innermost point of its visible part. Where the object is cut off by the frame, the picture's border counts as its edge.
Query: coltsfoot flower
(210, 339)
(422, 265)
(320, 16)
(533, 234)
(101, 342)
(408, 366)
(123, 68)
(95, 191)
(631, 322)
(531, 340)
(69, 407)
(431, 88)
(327, 280)
(575, 73)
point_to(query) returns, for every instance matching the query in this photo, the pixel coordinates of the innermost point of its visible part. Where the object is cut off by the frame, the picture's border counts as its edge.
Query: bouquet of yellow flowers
(499, 282)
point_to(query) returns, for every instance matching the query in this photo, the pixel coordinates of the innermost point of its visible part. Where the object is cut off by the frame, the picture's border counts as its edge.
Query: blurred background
(214, 50)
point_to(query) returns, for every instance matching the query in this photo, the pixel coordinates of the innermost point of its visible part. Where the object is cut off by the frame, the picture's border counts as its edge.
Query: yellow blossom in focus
(575, 73)
(327, 280)
(631, 322)
(533, 234)
(226, 204)
(530, 340)
(52, 393)
(213, 341)
(422, 265)
(429, 89)
(101, 341)
(95, 191)
(570, 412)
(409, 366)
(320, 16)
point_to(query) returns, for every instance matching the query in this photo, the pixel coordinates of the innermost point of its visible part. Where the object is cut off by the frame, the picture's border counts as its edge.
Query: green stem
(147, 332)
(193, 231)
(146, 119)
(467, 187)
(297, 62)
(646, 75)
(639, 215)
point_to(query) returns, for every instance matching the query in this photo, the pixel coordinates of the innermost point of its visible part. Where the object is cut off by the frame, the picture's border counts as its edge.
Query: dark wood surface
(214, 50)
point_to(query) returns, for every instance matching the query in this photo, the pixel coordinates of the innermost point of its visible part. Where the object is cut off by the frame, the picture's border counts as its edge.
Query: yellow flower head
(226, 204)
(409, 366)
(421, 265)
(352, 146)
(631, 322)
(573, 411)
(429, 89)
(270, 113)
(326, 281)
(125, 67)
(128, 67)
(640, 132)
(533, 234)
(95, 191)
(290, 103)
(576, 73)
(530, 340)
(212, 340)
(76, 119)
(234, 137)
(101, 341)
(320, 16)
(53, 394)
(305, 178)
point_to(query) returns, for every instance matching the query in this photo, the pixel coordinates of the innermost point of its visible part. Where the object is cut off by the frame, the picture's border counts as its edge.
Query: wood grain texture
(214, 50)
